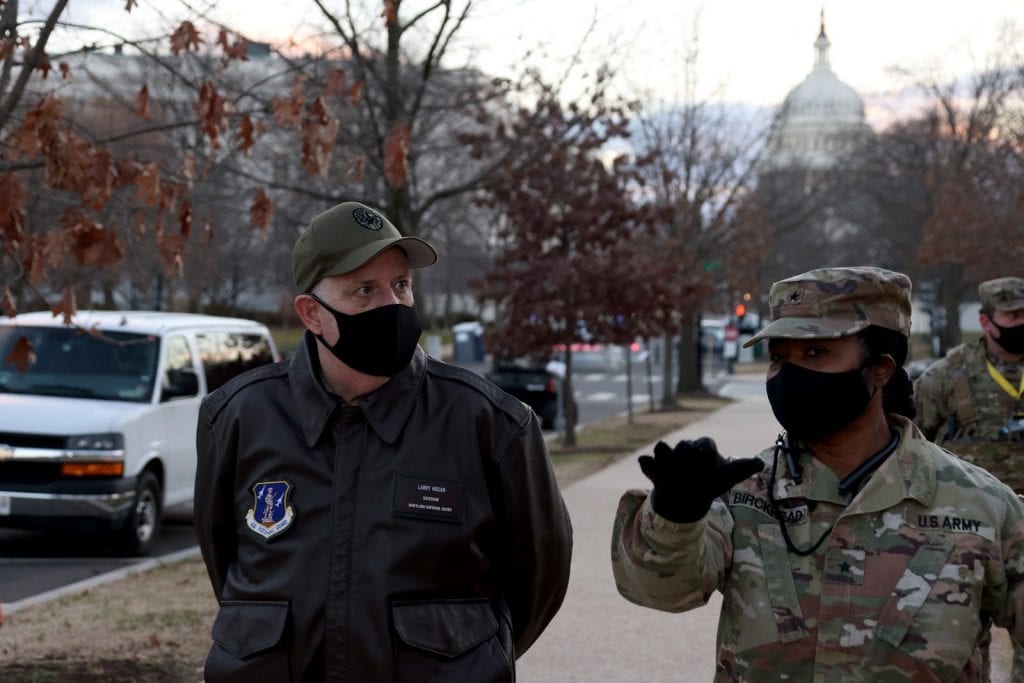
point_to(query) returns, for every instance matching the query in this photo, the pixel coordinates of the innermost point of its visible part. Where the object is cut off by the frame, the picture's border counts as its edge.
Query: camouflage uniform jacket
(926, 552)
(961, 408)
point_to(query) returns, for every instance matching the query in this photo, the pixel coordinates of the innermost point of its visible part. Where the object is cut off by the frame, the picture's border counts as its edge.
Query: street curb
(100, 579)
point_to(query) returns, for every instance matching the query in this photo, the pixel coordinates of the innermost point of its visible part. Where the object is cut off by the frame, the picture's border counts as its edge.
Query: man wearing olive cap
(854, 549)
(970, 401)
(366, 512)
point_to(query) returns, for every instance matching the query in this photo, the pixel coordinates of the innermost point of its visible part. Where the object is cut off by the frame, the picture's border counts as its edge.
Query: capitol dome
(820, 119)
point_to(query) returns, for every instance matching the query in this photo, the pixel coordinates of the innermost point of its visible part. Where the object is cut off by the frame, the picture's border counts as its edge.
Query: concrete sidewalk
(598, 635)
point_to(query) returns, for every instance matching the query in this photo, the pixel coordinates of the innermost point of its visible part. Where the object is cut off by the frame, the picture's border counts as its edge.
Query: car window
(177, 358)
(227, 354)
(112, 366)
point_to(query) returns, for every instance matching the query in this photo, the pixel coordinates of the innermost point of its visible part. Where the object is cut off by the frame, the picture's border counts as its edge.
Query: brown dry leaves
(22, 355)
(261, 211)
(396, 154)
(66, 307)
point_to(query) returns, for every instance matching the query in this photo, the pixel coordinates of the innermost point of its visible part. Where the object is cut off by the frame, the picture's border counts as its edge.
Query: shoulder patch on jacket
(216, 400)
(513, 407)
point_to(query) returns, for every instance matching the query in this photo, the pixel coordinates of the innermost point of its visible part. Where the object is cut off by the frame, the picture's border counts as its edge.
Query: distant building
(820, 120)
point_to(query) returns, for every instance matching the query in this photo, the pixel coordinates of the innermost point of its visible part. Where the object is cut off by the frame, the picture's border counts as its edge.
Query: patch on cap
(368, 218)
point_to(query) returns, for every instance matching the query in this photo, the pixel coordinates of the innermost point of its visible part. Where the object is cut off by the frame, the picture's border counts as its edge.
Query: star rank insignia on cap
(271, 513)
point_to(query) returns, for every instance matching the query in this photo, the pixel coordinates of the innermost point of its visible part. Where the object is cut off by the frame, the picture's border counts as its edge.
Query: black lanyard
(851, 482)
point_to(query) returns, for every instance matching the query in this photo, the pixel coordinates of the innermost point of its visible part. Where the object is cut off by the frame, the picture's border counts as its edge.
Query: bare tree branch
(32, 60)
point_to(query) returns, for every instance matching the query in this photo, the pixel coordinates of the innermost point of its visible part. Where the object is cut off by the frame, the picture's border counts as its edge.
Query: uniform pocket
(451, 640)
(778, 576)
(933, 612)
(249, 642)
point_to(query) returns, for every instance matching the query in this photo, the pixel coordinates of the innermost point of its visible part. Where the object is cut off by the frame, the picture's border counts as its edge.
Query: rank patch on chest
(271, 513)
(439, 499)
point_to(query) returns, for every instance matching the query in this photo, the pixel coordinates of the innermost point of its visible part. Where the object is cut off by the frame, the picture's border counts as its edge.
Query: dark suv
(529, 381)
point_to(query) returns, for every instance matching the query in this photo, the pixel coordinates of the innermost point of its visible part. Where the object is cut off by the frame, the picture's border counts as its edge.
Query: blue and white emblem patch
(272, 512)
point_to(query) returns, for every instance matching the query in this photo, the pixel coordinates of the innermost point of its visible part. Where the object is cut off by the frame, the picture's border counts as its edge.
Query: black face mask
(810, 404)
(1010, 338)
(378, 342)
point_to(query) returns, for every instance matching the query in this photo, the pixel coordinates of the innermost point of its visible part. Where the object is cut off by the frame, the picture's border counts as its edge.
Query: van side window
(177, 358)
(226, 354)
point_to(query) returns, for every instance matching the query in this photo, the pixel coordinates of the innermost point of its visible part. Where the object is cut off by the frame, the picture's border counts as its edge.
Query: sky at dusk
(751, 51)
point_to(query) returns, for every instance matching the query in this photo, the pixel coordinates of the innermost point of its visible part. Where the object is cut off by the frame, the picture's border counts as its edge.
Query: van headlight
(108, 441)
(94, 455)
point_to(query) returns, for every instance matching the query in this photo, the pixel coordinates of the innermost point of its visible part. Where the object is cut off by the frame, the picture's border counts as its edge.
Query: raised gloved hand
(688, 477)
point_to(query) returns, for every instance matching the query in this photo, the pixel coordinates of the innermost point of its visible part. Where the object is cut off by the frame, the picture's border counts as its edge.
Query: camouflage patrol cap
(829, 303)
(345, 237)
(1002, 294)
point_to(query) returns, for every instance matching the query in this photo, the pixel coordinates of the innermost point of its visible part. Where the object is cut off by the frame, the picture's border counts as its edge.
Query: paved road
(32, 562)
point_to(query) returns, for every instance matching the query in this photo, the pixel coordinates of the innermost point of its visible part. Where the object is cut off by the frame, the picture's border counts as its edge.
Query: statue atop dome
(820, 120)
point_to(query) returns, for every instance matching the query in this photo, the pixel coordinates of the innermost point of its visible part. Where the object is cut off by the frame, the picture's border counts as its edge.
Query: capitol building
(820, 121)
(809, 173)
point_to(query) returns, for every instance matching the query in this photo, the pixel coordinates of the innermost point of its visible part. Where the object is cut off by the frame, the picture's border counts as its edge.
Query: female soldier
(853, 549)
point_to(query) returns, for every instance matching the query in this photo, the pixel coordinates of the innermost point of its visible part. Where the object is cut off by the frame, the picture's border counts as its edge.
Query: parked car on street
(98, 425)
(528, 380)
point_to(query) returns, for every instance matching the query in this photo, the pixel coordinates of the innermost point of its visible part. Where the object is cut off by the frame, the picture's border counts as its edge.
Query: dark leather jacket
(417, 535)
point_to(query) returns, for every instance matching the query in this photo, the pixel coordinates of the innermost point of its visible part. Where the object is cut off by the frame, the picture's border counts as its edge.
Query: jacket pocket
(249, 642)
(451, 640)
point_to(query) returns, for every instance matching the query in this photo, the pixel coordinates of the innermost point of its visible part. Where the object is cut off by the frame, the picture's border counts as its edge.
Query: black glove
(688, 477)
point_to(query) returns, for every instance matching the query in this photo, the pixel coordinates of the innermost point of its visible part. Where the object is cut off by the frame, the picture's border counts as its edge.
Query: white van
(98, 425)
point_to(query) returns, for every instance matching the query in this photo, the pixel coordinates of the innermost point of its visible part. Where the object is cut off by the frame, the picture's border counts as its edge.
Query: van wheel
(141, 529)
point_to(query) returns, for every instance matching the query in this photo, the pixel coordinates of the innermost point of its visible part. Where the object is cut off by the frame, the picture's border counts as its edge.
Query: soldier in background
(854, 549)
(970, 401)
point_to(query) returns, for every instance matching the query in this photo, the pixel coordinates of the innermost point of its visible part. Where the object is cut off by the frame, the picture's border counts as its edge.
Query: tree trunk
(449, 289)
(690, 381)
(568, 403)
(649, 372)
(108, 296)
(668, 393)
(629, 385)
(952, 292)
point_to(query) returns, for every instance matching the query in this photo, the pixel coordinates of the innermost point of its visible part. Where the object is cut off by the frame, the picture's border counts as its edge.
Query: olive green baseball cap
(345, 237)
(829, 303)
(1002, 294)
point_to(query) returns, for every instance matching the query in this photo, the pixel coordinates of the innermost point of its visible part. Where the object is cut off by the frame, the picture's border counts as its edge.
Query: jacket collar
(908, 473)
(314, 403)
(387, 409)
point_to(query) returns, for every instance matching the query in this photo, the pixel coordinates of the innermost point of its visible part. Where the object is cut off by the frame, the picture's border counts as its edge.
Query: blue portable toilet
(468, 342)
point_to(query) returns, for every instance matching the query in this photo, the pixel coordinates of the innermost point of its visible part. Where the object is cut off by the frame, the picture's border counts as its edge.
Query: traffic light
(741, 310)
